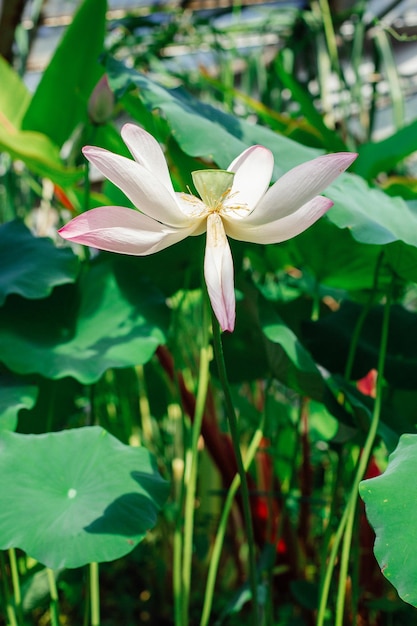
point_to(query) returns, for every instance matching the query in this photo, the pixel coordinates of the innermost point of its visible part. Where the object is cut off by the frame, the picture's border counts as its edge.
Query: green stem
(221, 531)
(144, 407)
(10, 610)
(234, 432)
(362, 465)
(191, 466)
(179, 495)
(16, 584)
(53, 606)
(330, 35)
(94, 594)
(346, 523)
(361, 320)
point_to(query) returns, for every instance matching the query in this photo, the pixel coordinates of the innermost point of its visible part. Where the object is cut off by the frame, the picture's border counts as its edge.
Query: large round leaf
(391, 507)
(81, 332)
(37, 268)
(76, 496)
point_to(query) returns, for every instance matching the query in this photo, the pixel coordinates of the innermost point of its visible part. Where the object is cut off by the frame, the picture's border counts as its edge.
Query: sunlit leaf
(370, 214)
(60, 100)
(203, 130)
(76, 496)
(14, 96)
(391, 508)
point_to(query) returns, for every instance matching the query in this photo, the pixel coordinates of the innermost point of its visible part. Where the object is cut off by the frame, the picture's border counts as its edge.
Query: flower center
(213, 187)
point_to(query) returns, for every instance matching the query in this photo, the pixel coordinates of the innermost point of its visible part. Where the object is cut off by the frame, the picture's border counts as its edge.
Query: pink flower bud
(101, 102)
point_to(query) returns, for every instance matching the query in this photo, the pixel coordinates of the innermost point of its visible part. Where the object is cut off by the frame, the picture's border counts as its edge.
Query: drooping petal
(281, 229)
(122, 230)
(299, 186)
(142, 188)
(253, 170)
(146, 150)
(218, 272)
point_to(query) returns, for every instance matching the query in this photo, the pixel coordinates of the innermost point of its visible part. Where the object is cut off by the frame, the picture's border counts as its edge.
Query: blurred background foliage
(98, 340)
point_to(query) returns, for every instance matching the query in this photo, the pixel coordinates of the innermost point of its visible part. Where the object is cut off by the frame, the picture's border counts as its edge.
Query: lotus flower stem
(94, 594)
(234, 432)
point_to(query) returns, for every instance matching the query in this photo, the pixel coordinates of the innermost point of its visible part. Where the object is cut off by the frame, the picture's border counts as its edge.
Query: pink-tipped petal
(146, 150)
(283, 228)
(299, 186)
(218, 272)
(253, 170)
(142, 188)
(122, 230)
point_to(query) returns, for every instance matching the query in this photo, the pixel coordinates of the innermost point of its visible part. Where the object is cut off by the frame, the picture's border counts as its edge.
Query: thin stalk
(234, 432)
(94, 594)
(330, 35)
(324, 592)
(191, 466)
(221, 531)
(362, 465)
(397, 95)
(177, 560)
(346, 523)
(361, 320)
(178, 479)
(17, 594)
(144, 407)
(10, 610)
(53, 605)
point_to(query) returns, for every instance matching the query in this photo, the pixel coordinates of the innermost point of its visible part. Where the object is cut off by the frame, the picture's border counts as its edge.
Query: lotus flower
(236, 202)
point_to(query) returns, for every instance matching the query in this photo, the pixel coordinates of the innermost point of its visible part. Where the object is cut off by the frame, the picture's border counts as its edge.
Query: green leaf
(14, 96)
(14, 395)
(203, 130)
(82, 331)
(383, 156)
(38, 153)
(329, 339)
(370, 214)
(88, 496)
(301, 95)
(37, 268)
(35, 149)
(391, 508)
(60, 100)
(333, 257)
(290, 362)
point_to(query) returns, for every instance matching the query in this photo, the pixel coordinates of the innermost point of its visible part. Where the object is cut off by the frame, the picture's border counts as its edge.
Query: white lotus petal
(147, 151)
(218, 272)
(281, 229)
(195, 209)
(298, 186)
(123, 230)
(142, 188)
(253, 170)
